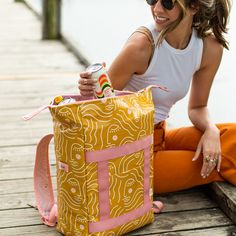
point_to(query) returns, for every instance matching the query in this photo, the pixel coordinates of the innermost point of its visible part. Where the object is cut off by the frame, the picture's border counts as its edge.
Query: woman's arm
(209, 144)
(133, 59)
(202, 82)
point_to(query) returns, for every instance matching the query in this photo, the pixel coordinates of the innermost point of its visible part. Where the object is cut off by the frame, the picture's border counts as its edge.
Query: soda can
(103, 87)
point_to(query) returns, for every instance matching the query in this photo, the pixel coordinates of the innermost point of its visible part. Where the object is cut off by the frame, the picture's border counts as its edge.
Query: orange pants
(173, 152)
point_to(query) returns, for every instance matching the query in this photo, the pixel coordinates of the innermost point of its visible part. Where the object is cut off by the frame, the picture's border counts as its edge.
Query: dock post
(51, 19)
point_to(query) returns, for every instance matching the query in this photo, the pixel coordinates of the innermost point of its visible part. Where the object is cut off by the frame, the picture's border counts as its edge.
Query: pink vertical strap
(43, 188)
(146, 178)
(103, 190)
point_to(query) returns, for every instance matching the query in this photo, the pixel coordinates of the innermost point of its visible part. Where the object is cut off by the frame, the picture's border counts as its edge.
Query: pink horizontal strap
(120, 220)
(112, 153)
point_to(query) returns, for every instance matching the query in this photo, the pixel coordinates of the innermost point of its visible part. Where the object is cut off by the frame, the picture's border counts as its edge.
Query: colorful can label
(103, 87)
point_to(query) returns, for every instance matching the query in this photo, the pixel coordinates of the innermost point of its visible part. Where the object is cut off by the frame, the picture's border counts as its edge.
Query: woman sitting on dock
(190, 42)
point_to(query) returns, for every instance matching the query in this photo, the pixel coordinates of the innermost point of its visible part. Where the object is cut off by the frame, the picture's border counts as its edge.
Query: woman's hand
(209, 146)
(86, 84)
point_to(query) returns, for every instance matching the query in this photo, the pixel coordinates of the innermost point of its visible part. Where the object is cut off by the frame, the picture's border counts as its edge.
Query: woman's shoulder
(212, 50)
(139, 42)
(138, 50)
(211, 45)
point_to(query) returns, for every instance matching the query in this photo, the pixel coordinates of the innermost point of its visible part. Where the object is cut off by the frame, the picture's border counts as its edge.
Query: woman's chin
(159, 28)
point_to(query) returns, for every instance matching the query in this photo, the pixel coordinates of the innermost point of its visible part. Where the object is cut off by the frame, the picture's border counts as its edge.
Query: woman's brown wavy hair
(212, 17)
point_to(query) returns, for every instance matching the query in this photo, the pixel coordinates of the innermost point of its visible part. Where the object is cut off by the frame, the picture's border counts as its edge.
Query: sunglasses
(167, 4)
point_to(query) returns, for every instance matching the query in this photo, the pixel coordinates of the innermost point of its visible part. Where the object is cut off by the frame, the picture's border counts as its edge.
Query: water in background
(99, 29)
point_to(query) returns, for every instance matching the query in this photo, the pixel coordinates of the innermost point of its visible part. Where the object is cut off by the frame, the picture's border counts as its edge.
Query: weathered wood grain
(19, 217)
(225, 195)
(21, 172)
(39, 230)
(165, 222)
(183, 201)
(21, 156)
(18, 186)
(19, 200)
(42, 230)
(29, 55)
(219, 231)
(185, 220)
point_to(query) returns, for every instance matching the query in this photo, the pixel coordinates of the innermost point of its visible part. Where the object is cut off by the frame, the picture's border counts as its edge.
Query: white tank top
(171, 68)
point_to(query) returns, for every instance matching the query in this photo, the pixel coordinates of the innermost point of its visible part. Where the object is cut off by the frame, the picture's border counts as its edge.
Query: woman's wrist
(213, 128)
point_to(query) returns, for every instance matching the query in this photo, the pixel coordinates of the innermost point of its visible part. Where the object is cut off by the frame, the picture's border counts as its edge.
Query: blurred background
(99, 29)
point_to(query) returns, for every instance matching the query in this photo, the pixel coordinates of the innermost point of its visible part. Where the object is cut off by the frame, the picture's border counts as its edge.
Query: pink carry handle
(34, 113)
(43, 188)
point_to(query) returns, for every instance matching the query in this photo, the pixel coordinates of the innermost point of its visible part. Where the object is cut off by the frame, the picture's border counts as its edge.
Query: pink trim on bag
(79, 99)
(146, 177)
(120, 220)
(103, 190)
(102, 157)
(112, 153)
(34, 113)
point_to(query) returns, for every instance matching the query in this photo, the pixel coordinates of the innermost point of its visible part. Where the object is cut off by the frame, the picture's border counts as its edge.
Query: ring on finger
(213, 161)
(207, 159)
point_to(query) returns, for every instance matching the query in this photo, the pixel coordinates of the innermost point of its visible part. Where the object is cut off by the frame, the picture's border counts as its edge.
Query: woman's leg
(174, 169)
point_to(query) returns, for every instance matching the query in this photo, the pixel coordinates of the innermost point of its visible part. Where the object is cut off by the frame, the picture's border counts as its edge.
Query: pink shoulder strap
(43, 188)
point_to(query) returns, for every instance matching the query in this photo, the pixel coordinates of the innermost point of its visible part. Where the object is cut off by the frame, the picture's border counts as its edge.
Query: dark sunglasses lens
(168, 4)
(151, 2)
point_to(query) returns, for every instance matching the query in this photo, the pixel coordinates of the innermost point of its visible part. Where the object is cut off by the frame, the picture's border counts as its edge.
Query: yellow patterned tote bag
(104, 155)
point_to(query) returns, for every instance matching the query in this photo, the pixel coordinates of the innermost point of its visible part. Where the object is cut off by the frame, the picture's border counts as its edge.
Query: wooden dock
(33, 71)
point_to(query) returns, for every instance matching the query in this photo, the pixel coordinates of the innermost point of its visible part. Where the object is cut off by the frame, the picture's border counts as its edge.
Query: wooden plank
(35, 47)
(36, 92)
(185, 220)
(18, 200)
(43, 75)
(19, 217)
(165, 222)
(17, 186)
(22, 156)
(183, 201)
(36, 68)
(21, 172)
(215, 231)
(225, 195)
(39, 230)
(42, 230)
(32, 139)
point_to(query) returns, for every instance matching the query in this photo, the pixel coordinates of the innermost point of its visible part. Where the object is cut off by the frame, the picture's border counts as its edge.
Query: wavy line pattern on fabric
(97, 125)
